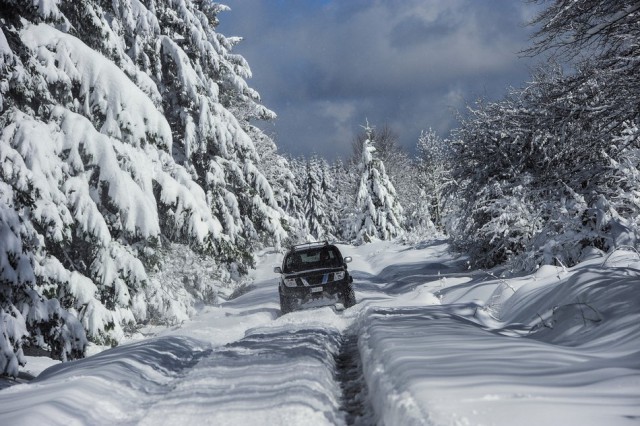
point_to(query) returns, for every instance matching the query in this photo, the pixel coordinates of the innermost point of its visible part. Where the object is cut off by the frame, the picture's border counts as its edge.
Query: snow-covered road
(428, 343)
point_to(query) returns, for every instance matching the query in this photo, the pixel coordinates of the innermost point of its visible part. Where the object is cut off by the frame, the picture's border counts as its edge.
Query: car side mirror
(347, 259)
(277, 270)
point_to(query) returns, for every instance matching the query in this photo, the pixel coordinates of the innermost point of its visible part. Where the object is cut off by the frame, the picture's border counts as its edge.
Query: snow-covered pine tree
(209, 106)
(279, 171)
(330, 192)
(378, 212)
(115, 137)
(397, 163)
(295, 209)
(315, 202)
(434, 175)
(345, 187)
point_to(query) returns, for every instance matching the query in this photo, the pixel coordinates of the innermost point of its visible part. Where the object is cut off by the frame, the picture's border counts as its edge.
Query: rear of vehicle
(314, 275)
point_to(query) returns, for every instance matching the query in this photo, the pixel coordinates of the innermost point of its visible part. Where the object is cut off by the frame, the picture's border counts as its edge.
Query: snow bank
(115, 386)
(565, 351)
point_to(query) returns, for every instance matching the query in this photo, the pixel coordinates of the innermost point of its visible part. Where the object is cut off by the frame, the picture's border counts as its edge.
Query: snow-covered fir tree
(330, 192)
(318, 201)
(124, 128)
(316, 208)
(433, 178)
(313, 200)
(280, 174)
(378, 212)
(296, 207)
(345, 184)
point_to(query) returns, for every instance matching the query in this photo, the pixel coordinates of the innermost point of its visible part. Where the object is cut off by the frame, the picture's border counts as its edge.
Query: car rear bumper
(316, 291)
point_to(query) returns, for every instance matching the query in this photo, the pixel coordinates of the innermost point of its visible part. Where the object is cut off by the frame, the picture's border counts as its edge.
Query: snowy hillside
(429, 342)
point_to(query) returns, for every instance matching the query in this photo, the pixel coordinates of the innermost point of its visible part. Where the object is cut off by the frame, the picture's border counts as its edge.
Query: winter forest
(130, 140)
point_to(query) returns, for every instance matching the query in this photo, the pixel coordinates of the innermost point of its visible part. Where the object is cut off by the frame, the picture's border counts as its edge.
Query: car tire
(286, 304)
(348, 297)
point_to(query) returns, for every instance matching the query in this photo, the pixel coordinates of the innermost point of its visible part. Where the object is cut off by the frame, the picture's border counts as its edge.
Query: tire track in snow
(274, 375)
(355, 401)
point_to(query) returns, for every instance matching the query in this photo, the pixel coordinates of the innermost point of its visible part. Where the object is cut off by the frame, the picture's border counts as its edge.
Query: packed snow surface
(433, 343)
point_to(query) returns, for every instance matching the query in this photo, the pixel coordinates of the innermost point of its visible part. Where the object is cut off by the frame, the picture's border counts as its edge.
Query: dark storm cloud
(326, 66)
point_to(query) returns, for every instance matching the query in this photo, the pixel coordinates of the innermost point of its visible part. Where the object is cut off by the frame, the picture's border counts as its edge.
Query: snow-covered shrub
(503, 222)
(565, 226)
(620, 192)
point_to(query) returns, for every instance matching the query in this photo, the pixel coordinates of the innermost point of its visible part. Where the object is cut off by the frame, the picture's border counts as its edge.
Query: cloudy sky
(326, 66)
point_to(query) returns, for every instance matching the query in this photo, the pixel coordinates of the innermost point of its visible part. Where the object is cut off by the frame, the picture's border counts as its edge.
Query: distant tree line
(380, 192)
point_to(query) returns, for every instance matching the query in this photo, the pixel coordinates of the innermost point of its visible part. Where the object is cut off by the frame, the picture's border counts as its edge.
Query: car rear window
(325, 257)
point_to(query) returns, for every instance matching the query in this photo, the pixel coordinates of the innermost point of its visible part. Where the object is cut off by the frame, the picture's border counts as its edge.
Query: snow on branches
(547, 174)
(125, 132)
(378, 213)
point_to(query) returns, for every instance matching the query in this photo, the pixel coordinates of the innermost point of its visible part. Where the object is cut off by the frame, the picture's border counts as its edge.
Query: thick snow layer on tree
(125, 138)
(378, 212)
(87, 184)
(436, 344)
(110, 98)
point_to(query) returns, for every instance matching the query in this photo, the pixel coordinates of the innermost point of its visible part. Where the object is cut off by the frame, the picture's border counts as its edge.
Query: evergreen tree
(124, 127)
(313, 207)
(330, 191)
(379, 215)
(279, 172)
(433, 173)
(345, 181)
(398, 165)
(315, 201)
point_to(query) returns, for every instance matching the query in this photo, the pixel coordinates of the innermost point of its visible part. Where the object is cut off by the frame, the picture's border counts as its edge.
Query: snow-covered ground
(429, 342)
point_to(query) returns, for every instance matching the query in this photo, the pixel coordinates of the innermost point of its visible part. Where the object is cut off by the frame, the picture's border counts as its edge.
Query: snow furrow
(355, 395)
(275, 375)
(113, 387)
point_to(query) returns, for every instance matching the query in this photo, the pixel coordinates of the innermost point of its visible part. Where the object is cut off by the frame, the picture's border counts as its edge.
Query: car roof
(311, 246)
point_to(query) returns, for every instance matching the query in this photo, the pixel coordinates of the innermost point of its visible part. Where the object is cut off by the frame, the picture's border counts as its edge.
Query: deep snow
(428, 343)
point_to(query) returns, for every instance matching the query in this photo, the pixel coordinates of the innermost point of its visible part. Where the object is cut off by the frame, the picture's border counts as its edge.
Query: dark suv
(314, 274)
